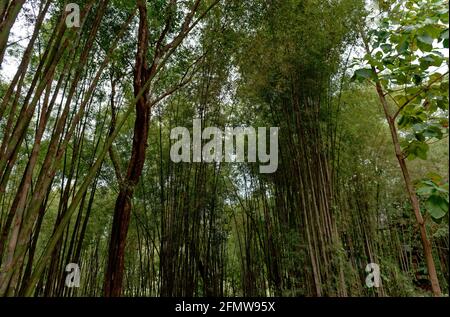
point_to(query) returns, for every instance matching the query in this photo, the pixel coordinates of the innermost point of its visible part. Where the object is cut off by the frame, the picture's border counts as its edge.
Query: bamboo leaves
(141, 224)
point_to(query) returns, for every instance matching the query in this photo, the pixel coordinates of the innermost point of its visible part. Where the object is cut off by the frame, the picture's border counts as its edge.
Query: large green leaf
(436, 206)
(417, 149)
(425, 38)
(363, 73)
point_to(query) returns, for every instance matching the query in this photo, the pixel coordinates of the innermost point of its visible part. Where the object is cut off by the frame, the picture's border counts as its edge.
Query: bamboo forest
(224, 148)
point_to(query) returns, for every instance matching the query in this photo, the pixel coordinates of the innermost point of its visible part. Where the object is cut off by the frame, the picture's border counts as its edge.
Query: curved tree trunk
(122, 210)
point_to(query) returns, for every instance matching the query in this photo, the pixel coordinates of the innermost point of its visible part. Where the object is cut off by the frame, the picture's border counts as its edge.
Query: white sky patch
(19, 37)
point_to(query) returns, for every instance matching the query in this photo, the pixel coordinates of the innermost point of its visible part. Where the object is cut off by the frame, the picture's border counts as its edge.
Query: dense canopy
(93, 203)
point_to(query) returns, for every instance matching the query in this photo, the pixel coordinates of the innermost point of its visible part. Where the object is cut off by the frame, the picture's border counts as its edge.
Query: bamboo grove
(86, 175)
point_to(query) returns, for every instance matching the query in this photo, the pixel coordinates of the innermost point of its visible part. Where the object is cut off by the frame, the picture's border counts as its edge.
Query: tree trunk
(122, 210)
(412, 195)
(7, 20)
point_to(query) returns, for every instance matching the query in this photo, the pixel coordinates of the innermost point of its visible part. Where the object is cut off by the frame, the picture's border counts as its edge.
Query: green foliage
(406, 58)
(337, 201)
(406, 61)
(435, 190)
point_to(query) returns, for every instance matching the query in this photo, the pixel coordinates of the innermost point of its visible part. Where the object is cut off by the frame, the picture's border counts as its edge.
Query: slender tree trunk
(408, 183)
(8, 17)
(122, 210)
(412, 194)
